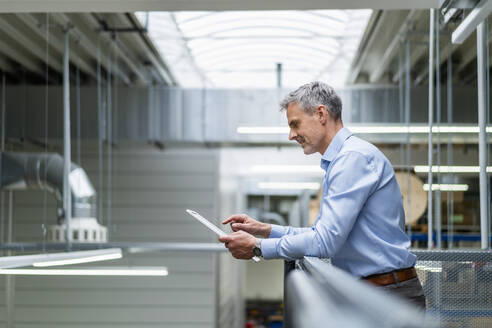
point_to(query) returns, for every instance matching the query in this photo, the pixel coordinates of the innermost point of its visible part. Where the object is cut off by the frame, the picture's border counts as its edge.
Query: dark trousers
(411, 290)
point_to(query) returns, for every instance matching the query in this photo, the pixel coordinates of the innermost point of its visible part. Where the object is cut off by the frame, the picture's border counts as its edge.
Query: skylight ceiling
(242, 49)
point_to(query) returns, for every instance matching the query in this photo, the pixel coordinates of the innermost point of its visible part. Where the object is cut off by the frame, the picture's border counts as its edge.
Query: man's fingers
(237, 218)
(237, 226)
(225, 239)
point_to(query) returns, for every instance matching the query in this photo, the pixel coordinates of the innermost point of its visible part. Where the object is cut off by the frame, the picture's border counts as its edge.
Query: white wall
(151, 189)
(265, 280)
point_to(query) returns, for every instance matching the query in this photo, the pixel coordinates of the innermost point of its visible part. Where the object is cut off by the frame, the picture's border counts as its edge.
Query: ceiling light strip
(76, 257)
(148, 272)
(370, 129)
(447, 187)
(449, 169)
(286, 169)
(89, 259)
(289, 185)
(303, 169)
(262, 130)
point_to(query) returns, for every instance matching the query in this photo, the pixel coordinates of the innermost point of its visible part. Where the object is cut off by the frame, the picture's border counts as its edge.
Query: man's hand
(245, 223)
(240, 244)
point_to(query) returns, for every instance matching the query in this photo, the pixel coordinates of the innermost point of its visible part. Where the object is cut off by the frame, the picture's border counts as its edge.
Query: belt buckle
(395, 277)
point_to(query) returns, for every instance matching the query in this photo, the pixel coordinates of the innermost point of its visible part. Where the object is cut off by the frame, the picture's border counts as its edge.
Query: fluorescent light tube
(287, 169)
(262, 130)
(289, 185)
(47, 259)
(449, 169)
(138, 271)
(428, 268)
(88, 259)
(447, 187)
(79, 257)
(371, 129)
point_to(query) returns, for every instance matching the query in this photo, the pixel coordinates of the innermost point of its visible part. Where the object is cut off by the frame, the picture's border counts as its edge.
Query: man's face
(306, 129)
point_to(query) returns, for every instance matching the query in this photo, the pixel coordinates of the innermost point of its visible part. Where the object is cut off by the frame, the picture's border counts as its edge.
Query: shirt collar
(334, 147)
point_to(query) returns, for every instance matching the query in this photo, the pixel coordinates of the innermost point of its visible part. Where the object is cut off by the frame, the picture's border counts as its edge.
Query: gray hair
(309, 96)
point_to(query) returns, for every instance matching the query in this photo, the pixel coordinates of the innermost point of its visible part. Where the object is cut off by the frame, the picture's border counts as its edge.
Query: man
(361, 212)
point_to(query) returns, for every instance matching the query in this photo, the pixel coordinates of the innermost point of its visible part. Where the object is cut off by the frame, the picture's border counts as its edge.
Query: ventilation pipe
(45, 171)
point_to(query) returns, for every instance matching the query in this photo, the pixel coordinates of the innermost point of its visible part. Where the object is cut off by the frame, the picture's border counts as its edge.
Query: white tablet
(213, 227)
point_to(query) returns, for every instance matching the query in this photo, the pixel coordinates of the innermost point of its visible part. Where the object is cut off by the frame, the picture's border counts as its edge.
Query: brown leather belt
(392, 277)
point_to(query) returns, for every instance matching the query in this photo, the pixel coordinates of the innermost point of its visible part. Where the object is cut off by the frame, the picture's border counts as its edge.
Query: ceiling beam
(27, 43)
(18, 56)
(132, 63)
(6, 66)
(469, 56)
(375, 24)
(85, 41)
(470, 23)
(153, 54)
(56, 43)
(392, 49)
(81, 6)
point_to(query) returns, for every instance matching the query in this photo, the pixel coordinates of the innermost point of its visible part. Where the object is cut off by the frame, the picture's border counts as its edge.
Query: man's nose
(292, 134)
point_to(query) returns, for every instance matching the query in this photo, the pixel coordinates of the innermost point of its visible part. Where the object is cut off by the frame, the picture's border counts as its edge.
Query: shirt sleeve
(279, 231)
(351, 180)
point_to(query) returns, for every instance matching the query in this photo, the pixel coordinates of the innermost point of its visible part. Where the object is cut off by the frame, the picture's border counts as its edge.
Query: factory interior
(118, 116)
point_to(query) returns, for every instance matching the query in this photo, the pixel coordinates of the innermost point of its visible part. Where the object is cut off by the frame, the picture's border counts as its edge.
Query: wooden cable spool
(413, 194)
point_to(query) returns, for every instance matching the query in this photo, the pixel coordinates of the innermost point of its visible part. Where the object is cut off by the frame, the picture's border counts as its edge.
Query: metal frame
(109, 140)
(449, 152)
(407, 122)
(431, 113)
(482, 120)
(472, 21)
(438, 144)
(67, 201)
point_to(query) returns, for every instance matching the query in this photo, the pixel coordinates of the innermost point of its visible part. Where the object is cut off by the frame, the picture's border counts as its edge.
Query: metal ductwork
(45, 171)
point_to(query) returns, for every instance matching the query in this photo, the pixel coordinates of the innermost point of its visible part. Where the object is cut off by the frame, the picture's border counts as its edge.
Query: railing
(320, 295)
(457, 285)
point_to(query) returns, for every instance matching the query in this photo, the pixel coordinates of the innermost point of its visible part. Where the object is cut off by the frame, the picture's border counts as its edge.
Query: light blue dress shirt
(359, 225)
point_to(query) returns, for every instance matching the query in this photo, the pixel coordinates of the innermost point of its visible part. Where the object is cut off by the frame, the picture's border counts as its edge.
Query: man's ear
(322, 114)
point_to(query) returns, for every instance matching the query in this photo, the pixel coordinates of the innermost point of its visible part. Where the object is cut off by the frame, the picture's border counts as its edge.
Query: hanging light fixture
(65, 258)
(109, 271)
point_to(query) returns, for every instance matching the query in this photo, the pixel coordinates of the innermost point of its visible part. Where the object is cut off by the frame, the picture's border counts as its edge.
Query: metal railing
(457, 285)
(320, 295)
